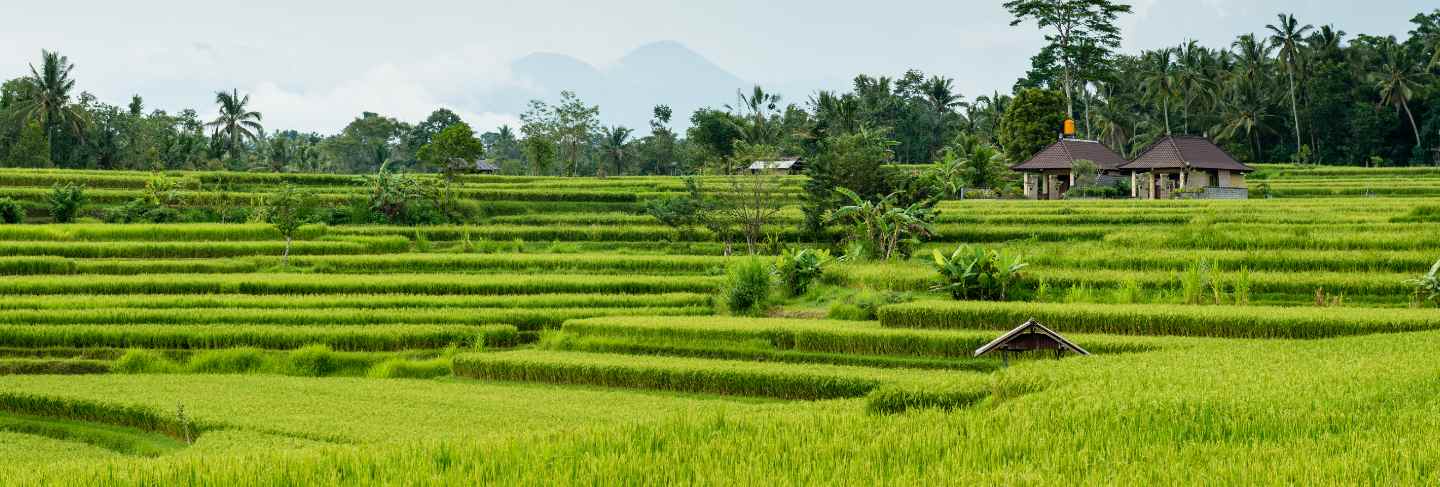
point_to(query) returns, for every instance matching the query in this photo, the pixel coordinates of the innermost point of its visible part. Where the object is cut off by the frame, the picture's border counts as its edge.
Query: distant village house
(787, 166)
(483, 166)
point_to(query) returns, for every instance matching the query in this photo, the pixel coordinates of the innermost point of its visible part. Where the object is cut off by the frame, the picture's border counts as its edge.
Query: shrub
(312, 361)
(797, 270)
(397, 368)
(65, 201)
(231, 361)
(139, 361)
(977, 273)
(11, 211)
(747, 286)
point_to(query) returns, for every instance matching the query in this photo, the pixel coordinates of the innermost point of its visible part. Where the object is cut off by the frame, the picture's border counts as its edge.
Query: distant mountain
(658, 73)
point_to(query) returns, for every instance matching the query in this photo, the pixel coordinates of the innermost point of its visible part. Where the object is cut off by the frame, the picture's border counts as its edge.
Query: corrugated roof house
(791, 165)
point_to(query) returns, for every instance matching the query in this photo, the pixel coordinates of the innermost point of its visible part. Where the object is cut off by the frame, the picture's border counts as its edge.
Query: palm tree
(235, 122)
(940, 94)
(1397, 79)
(1160, 80)
(1288, 36)
(1239, 117)
(48, 97)
(614, 145)
(1193, 79)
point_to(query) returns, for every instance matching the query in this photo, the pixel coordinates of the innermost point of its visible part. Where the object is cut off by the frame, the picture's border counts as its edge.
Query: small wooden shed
(1031, 336)
(483, 166)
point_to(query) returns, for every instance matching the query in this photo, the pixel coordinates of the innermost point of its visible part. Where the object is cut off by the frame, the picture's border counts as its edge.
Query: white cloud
(409, 92)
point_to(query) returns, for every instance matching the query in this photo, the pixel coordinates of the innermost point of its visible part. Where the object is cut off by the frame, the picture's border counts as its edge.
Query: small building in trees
(1052, 171)
(483, 166)
(1187, 165)
(786, 166)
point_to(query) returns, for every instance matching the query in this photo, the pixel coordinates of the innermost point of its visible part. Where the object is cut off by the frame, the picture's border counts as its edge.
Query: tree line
(1290, 92)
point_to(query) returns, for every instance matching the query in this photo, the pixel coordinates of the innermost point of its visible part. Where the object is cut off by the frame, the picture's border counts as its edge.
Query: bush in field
(977, 273)
(886, 229)
(682, 212)
(138, 361)
(11, 211)
(398, 368)
(65, 201)
(232, 361)
(1427, 287)
(313, 361)
(401, 199)
(288, 210)
(798, 269)
(747, 286)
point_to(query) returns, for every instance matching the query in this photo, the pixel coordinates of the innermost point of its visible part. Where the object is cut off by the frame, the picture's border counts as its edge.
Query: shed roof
(1030, 327)
(780, 164)
(1063, 153)
(483, 165)
(1182, 151)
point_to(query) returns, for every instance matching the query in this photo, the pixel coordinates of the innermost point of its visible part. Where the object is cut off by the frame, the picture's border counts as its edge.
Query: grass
(1180, 320)
(304, 284)
(782, 381)
(338, 369)
(128, 441)
(349, 338)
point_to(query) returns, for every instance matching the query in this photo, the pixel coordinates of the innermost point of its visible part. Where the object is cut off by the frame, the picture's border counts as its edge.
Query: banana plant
(977, 273)
(888, 228)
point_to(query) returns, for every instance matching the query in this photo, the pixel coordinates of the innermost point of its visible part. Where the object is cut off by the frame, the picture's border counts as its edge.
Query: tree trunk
(1294, 109)
(1165, 104)
(285, 258)
(1412, 123)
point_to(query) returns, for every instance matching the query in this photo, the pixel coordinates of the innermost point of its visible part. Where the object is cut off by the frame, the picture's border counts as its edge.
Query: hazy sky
(315, 64)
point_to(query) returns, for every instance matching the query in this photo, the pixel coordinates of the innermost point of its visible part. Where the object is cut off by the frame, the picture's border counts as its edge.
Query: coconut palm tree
(1161, 80)
(235, 123)
(1194, 79)
(48, 97)
(1398, 77)
(940, 94)
(1242, 114)
(615, 145)
(1288, 36)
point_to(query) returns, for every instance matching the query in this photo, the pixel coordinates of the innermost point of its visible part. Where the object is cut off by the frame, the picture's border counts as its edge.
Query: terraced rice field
(567, 338)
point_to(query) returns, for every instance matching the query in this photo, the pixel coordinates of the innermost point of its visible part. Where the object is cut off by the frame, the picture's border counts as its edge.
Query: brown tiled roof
(1186, 151)
(1064, 152)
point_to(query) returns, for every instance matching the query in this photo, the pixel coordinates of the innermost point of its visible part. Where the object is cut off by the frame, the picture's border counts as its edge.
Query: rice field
(566, 337)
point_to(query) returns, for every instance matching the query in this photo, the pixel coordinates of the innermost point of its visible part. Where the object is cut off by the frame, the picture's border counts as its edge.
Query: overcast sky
(315, 64)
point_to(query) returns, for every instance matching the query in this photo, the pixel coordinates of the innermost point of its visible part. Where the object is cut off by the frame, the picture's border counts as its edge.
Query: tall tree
(235, 123)
(32, 148)
(1075, 28)
(943, 99)
(1032, 122)
(1161, 80)
(576, 126)
(1397, 78)
(757, 108)
(1288, 36)
(47, 98)
(615, 145)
